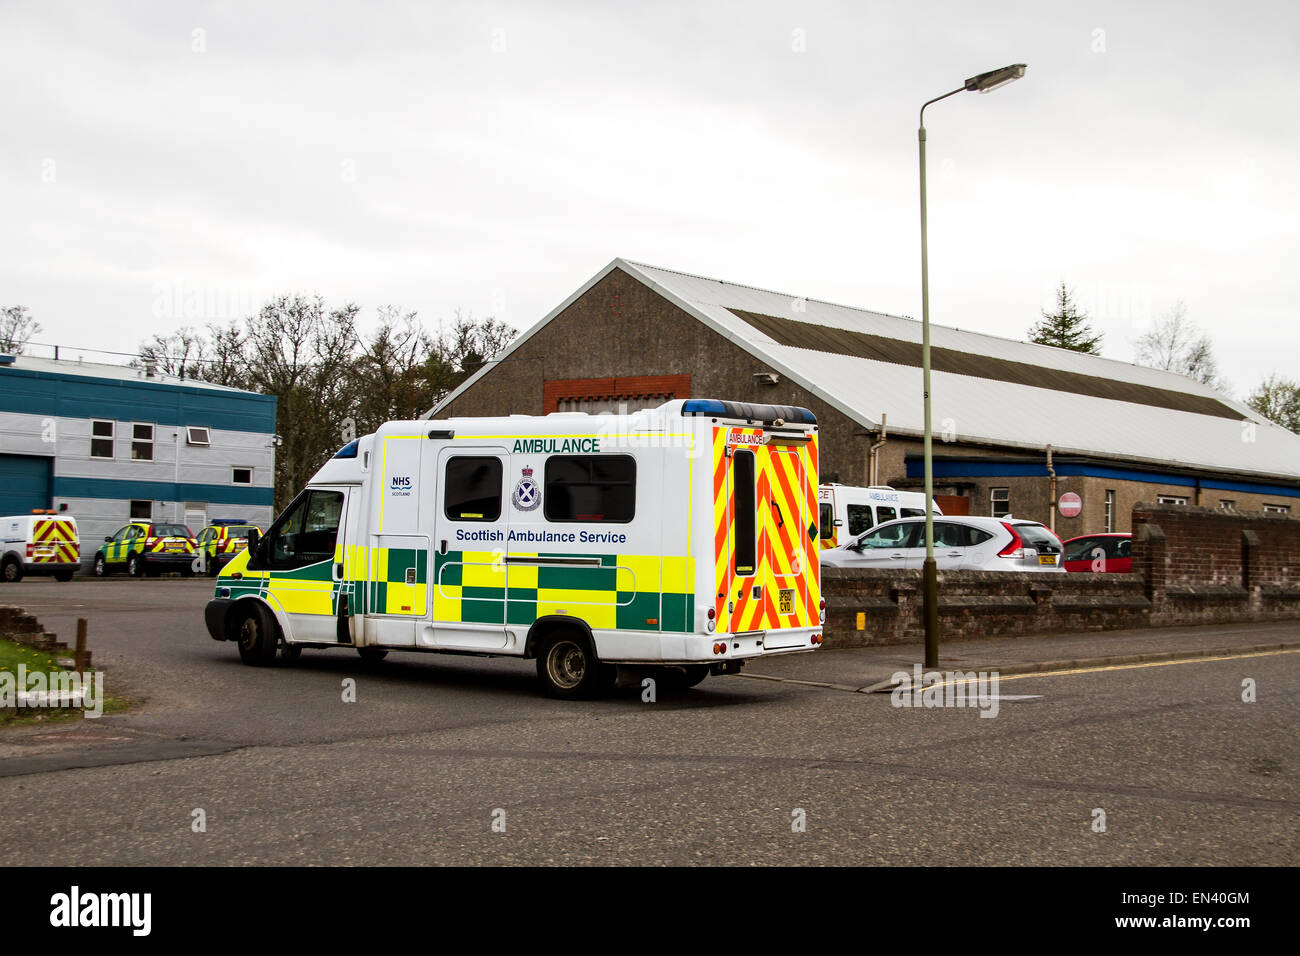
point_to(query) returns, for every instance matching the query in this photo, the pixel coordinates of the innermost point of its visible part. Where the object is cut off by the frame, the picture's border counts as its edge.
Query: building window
(101, 439)
(472, 491)
(141, 442)
(1227, 504)
(142, 511)
(1000, 502)
(241, 476)
(197, 435)
(590, 488)
(1110, 509)
(1278, 509)
(1171, 499)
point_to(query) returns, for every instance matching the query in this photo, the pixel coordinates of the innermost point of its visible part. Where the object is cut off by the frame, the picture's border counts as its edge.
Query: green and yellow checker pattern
(622, 592)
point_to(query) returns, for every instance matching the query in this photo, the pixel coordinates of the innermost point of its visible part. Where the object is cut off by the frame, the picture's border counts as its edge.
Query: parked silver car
(960, 543)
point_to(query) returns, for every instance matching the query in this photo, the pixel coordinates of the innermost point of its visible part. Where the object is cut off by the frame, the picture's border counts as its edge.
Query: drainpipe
(1052, 494)
(873, 468)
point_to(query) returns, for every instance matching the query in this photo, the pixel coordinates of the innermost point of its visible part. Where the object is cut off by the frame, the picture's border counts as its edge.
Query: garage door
(24, 483)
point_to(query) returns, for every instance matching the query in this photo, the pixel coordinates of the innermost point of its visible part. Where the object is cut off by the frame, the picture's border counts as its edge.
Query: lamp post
(984, 83)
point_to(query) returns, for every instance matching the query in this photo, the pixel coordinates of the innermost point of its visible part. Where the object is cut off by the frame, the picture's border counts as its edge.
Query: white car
(960, 543)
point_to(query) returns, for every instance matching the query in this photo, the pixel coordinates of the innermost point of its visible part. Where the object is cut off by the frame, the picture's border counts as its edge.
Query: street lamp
(984, 83)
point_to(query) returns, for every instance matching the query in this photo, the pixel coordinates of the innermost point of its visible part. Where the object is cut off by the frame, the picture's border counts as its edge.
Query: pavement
(869, 669)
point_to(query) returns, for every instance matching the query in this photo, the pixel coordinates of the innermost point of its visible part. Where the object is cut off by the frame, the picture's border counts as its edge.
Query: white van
(846, 511)
(681, 538)
(41, 543)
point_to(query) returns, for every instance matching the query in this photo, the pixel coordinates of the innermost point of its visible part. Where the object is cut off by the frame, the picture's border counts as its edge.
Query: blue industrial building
(107, 444)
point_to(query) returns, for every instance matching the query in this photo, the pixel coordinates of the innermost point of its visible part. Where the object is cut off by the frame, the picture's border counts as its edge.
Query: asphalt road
(436, 749)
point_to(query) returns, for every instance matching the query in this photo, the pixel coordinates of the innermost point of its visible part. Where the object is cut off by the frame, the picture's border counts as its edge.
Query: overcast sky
(176, 163)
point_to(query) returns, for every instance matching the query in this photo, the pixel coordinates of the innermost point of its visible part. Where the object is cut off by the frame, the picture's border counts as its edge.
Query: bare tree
(1278, 400)
(182, 354)
(16, 329)
(1177, 344)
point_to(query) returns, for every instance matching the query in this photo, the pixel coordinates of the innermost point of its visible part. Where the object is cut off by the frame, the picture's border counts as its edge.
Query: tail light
(1015, 547)
(821, 611)
(31, 550)
(712, 622)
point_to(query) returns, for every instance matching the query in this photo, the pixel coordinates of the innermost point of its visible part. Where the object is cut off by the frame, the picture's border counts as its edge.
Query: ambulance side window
(305, 533)
(860, 518)
(885, 514)
(590, 488)
(744, 511)
(472, 489)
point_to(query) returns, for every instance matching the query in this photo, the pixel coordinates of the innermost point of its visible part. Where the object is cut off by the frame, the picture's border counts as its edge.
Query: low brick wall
(20, 627)
(884, 607)
(1190, 566)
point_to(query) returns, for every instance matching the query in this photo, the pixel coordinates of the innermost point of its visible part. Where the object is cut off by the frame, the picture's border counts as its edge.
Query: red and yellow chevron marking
(57, 540)
(787, 555)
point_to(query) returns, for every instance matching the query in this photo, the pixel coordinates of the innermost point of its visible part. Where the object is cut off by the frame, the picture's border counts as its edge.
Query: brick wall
(1190, 566)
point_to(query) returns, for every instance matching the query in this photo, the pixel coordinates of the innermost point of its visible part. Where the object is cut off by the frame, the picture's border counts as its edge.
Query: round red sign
(1070, 504)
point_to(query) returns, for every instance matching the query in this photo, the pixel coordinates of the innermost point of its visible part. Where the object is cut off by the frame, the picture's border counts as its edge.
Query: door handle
(338, 572)
(777, 506)
(896, 556)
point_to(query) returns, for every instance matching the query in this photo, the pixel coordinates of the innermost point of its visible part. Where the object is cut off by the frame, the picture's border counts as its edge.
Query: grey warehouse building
(107, 444)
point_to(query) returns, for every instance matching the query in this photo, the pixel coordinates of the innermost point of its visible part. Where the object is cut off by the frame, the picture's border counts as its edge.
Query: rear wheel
(11, 570)
(569, 668)
(256, 637)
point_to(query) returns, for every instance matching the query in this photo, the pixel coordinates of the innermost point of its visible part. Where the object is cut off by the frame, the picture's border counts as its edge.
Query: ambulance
(845, 511)
(672, 543)
(42, 543)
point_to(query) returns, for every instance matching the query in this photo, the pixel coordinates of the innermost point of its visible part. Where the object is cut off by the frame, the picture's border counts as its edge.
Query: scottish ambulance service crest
(528, 494)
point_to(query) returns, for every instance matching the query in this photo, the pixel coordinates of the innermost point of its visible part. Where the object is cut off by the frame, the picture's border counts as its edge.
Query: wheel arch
(549, 624)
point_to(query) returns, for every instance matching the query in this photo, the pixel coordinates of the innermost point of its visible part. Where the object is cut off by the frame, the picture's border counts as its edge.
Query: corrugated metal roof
(102, 370)
(1138, 414)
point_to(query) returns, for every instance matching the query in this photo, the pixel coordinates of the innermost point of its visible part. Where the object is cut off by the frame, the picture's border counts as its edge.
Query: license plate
(173, 546)
(785, 601)
(44, 552)
(1047, 559)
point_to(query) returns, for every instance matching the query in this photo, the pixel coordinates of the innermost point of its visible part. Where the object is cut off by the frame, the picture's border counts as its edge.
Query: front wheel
(134, 566)
(255, 634)
(569, 668)
(101, 569)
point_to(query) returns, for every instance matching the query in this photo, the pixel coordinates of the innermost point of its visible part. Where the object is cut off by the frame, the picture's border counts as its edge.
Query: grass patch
(11, 655)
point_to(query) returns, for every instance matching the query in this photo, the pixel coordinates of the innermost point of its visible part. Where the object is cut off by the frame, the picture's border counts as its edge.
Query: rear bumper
(624, 647)
(162, 559)
(51, 567)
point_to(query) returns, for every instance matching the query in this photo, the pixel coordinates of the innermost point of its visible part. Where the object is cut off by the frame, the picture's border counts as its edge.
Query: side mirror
(254, 539)
(108, 537)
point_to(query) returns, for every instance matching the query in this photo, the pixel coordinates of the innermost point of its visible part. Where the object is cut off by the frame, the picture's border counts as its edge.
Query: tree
(330, 384)
(1175, 343)
(1067, 327)
(1278, 400)
(16, 329)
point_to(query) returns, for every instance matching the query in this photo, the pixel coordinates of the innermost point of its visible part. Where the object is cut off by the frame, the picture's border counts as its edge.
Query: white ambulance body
(846, 511)
(40, 543)
(681, 538)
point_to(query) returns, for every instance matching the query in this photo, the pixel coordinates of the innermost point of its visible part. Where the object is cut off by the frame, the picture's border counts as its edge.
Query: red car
(1110, 553)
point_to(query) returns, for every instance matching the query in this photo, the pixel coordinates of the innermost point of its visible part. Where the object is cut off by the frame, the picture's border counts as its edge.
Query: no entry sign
(1070, 504)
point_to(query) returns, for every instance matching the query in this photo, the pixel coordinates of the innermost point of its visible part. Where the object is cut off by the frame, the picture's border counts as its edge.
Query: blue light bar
(348, 451)
(742, 411)
(703, 406)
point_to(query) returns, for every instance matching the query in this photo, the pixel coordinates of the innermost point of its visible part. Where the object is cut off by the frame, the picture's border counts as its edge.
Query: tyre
(372, 655)
(568, 667)
(63, 575)
(11, 570)
(134, 566)
(101, 568)
(255, 634)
